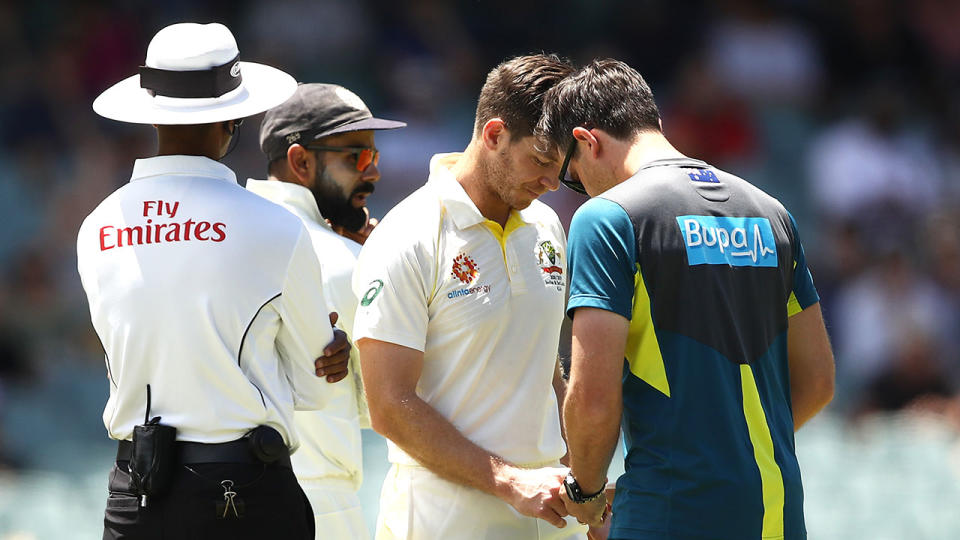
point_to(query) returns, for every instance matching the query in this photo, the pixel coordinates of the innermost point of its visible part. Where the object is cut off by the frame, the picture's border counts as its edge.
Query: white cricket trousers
(416, 504)
(336, 509)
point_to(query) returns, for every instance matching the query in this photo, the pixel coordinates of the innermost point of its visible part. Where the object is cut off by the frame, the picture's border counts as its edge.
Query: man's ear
(494, 133)
(588, 136)
(299, 163)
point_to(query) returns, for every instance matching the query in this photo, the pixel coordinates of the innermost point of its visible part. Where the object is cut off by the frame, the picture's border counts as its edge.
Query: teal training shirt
(707, 268)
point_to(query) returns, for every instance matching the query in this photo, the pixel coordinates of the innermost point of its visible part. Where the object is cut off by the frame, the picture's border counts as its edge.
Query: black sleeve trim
(244, 339)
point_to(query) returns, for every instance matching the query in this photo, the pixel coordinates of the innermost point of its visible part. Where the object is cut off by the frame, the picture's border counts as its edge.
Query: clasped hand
(336, 355)
(592, 513)
(540, 493)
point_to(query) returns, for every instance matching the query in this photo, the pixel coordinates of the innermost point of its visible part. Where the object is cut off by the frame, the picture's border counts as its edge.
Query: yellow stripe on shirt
(643, 349)
(793, 305)
(771, 479)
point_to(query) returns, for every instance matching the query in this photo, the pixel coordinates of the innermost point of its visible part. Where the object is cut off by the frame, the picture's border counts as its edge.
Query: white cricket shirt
(330, 444)
(209, 294)
(434, 276)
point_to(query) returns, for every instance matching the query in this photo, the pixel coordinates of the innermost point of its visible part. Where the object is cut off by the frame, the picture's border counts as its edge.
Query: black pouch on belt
(154, 457)
(267, 444)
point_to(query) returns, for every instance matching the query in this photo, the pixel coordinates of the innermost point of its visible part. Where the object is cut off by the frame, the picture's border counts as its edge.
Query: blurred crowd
(848, 111)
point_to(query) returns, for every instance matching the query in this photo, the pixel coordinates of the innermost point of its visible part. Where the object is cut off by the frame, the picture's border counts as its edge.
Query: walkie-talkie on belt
(153, 458)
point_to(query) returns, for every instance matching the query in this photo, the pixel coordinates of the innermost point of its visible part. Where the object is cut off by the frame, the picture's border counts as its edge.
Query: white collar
(295, 197)
(461, 207)
(180, 165)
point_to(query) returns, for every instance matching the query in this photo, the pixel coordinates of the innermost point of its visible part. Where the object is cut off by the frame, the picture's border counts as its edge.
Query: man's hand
(600, 533)
(536, 493)
(592, 513)
(333, 363)
(357, 236)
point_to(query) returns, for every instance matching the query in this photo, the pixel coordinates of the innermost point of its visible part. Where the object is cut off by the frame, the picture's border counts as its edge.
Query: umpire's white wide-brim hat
(192, 76)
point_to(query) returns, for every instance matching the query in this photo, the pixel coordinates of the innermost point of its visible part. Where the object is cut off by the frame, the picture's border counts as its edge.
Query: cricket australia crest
(548, 257)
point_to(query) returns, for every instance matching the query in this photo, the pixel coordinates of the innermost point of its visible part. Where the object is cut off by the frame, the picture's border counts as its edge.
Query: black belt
(237, 451)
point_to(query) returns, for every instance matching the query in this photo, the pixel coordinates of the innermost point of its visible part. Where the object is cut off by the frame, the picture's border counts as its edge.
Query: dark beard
(335, 206)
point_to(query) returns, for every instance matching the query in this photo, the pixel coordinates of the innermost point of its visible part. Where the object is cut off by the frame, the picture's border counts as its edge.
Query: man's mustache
(365, 187)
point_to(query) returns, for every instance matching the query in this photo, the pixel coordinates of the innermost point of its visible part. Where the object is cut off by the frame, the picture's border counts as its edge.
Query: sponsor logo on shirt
(163, 232)
(549, 259)
(457, 293)
(465, 269)
(734, 241)
(375, 287)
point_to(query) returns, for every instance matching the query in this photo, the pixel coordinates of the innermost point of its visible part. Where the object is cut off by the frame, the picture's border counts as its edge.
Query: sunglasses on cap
(365, 154)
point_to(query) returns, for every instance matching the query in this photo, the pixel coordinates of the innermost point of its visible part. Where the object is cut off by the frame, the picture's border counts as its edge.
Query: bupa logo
(736, 241)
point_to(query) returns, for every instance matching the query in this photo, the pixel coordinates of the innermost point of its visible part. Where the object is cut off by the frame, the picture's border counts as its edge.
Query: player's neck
(185, 150)
(473, 175)
(188, 141)
(647, 147)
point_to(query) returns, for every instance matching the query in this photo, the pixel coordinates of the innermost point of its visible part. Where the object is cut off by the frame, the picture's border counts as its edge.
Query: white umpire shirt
(209, 294)
(330, 443)
(483, 304)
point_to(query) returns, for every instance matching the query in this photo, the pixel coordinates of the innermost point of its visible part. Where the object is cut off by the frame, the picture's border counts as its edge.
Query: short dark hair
(514, 91)
(275, 166)
(605, 94)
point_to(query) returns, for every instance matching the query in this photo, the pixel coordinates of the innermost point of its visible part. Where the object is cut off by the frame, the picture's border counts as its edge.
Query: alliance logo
(465, 269)
(734, 241)
(479, 289)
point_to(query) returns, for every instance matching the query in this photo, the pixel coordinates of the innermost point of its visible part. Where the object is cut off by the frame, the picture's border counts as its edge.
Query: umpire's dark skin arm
(336, 354)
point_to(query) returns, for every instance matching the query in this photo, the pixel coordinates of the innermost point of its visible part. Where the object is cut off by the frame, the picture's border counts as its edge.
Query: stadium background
(846, 110)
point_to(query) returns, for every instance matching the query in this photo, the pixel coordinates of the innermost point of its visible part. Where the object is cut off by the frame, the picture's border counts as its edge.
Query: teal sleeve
(803, 288)
(603, 255)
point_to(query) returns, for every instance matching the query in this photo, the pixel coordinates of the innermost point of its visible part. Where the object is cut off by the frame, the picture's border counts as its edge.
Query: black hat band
(207, 83)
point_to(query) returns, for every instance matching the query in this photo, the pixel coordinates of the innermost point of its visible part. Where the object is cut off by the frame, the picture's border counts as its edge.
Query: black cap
(316, 110)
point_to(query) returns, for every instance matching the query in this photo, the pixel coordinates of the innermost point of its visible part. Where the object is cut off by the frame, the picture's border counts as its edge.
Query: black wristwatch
(576, 494)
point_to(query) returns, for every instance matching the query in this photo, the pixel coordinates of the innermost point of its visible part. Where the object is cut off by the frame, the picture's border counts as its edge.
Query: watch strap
(594, 496)
(577, 495)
